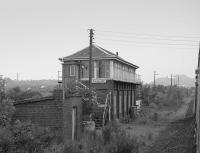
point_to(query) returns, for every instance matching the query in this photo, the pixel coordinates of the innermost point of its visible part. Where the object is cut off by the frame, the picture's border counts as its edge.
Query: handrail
(107, 104)
(78, 82)
(81, 84)
(84, 86)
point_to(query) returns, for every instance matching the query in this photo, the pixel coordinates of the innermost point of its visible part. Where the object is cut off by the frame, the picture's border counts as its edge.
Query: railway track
(178, 136)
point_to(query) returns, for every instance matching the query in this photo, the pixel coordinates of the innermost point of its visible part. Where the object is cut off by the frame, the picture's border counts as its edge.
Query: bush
(117, 141)
(55, 148)
(73, 147)
(122, 143)
(6, 140)
(109, 130)
(25, 137)
(111, 140)
(17, 94)
(31, 138)
(155, 116)
(6, 111)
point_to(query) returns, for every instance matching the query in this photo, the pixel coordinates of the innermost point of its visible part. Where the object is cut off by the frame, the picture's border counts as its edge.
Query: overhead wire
(147, 42)
(142, 45)
(143, 34)
(145, 39)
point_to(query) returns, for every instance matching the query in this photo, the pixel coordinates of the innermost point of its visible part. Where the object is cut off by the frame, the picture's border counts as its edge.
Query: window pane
(72, 70)
(107, 67)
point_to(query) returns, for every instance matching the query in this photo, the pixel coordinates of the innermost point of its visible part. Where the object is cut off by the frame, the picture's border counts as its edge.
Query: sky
(156, 35)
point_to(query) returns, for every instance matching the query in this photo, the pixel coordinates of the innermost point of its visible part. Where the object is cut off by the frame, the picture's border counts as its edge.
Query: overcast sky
(160, 35)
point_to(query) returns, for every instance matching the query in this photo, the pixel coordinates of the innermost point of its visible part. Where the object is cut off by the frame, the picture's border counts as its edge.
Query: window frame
(70, 70)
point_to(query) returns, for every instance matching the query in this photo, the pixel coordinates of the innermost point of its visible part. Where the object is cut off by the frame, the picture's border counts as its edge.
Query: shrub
(6, 111)
(6, 141)
(155, 116)
(122, 143)
(73, 147)
(24, 137)
(55, 148)
(109, 130)
(116, 140)
(31, 138)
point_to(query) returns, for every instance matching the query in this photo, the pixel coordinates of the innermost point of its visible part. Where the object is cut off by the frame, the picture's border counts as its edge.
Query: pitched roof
(97, 53)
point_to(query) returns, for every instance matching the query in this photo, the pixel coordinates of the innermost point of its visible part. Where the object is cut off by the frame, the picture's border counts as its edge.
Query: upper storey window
(72, 70)
(103, 69)
(100, 69)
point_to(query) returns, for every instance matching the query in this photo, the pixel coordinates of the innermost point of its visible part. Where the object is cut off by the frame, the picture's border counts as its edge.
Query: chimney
(117, 53)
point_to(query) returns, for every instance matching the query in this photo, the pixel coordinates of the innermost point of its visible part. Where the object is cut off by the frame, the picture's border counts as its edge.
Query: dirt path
(161, 135)
(181, 112)
(178, 135)
(176, 138)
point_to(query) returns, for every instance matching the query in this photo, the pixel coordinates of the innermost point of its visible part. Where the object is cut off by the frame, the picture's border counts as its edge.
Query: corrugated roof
(97, 53)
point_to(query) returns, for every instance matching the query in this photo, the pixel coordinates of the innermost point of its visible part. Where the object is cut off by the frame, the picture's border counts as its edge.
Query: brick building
(110, 74)
(114, 81)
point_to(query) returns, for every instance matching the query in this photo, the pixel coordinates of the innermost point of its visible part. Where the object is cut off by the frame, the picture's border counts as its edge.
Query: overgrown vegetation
(25, 137)
(163, 97)
(17, 94)
(112, 139)
(178, 137)
(21, 137)
(160, 101)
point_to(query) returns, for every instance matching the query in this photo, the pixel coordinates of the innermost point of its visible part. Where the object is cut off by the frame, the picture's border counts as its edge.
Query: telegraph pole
(178, 80)
(90, 60)
(2, 88)
(154, 78)
(171, 80)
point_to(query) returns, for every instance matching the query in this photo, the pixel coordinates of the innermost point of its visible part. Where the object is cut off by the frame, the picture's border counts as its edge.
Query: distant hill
(43, 86)
(183, 81)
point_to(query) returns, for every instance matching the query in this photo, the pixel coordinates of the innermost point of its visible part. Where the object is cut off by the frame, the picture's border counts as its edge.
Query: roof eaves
(101, 58)
(103, 50)
(72, 54)
(126, 62)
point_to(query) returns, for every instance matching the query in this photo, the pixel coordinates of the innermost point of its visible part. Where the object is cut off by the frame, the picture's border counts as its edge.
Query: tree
(17, 94)
(6, 112)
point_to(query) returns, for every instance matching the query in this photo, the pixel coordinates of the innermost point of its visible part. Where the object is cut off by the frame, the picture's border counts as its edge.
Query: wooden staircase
(98, 117)
(102, 113)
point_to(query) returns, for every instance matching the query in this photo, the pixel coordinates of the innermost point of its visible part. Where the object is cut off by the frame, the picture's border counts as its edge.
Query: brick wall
(52, 112)
(68, 104)
(45, 111)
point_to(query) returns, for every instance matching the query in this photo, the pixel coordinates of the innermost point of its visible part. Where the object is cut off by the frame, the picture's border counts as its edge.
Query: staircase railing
(107, 107)
(86, 87)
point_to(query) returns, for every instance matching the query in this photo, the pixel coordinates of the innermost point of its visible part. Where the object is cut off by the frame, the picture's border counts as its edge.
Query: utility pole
(154, 78)
(171, 80)
(178, 81)
(2, 88)
(90, 60)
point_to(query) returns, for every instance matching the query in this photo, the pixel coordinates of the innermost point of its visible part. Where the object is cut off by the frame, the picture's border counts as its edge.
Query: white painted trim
(70, 70)
(95, 69)
(111, 69)
(74, 110)
(73, 123)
